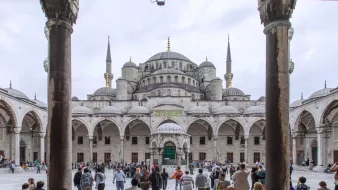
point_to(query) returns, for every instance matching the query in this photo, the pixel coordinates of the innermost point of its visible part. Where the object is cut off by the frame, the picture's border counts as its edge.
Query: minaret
(108, 76)
(228, 76)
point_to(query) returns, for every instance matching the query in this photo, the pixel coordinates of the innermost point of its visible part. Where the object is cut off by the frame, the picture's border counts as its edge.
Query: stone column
(187, 153)
(122, 150)
(319, 149)
(151, 157)
(215, 150)
(159, 156)
(90, 148)
(275, 15)
(294, 150)
(246, 150)
(42, 147)
(179, 157)
(10, 153)
(61, 15)
(17, 149)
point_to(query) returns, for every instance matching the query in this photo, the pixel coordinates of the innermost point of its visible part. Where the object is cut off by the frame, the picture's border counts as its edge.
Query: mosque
(169, 110)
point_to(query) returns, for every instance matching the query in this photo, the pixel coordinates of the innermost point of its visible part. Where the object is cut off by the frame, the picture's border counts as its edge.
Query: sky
(139, 29)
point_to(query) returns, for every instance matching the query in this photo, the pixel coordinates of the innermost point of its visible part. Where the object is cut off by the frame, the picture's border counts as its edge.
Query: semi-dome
(255, 110)
(168, 71)
(296, 103)
(199, 110)
(109, 110)
(233, 92)
(129, 64)
(16, 93)
(262, 98)
(321, 93)
(169, 128)
(206, 64)
(139, 110)
(226, 110)
(105, 91)
(40, 104)
(82, 110)
(168, 102)
(168, 55)
(74, 98)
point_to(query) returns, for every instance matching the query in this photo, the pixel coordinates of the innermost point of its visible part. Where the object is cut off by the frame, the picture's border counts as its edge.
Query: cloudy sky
(139, 29)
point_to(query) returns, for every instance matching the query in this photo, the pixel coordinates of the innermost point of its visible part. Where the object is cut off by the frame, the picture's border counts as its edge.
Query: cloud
(139, 29)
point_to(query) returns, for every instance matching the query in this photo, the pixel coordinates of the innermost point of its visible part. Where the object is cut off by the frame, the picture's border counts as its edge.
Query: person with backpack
(301, 184)
(187, 181)
(177, 176)
(100, 179)
(77, 178)
(156, 179)
(165, 176)
(86, 181)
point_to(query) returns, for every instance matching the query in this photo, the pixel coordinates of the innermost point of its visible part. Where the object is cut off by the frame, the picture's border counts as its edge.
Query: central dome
(105, 91)
(168, 55)
(168, 71)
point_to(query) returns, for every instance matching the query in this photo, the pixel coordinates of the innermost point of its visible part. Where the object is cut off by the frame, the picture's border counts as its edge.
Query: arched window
(168, 78)
(148, 81)
(183, 80)
(179, 93)
(158, 93)
(189, 81)
(176, 79)
(157, 66)
(193, 96)
(154, 80)
(169, 92)
(164, 65)
(185, 94)
(180, 65)
(102, 98)
(143, 83)
(161, 79)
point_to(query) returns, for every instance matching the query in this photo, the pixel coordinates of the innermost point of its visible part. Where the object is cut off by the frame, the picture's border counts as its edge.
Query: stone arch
(260, 124)
(37, 119)
(167, 120)
(185, 144)
(305, 120)
(77, 123)
(330, 106)
(105, 119)
(205, 124)
(170, 139)
(227, 120)
(153, 143)
(134, 122)
(85, 124)
(8, 107)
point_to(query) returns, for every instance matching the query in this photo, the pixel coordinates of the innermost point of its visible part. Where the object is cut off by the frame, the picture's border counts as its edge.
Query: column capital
(91, 138)
(215, 138)
(121, 138)
(65, 10)
(42, 134)
(273, 10)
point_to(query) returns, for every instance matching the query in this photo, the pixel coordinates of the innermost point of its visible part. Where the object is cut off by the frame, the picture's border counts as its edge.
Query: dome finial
(107, 80)
(35, 96)
(325, 84)
(168, 43)
(301, 96)
(130, 59)
(206, 58)
(10, 84)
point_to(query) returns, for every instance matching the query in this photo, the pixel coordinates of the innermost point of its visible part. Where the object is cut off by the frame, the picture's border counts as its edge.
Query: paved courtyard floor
(9, 181)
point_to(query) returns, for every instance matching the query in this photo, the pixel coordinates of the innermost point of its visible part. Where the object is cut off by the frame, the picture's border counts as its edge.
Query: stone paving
(9, 181)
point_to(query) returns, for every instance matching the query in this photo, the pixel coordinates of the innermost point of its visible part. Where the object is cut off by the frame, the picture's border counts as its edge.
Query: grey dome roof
(321, 93)
(216, 78)
(169, 128)
(255, 110)
(233, 92)
(74, 98)
(168, 71)
(168, 55)
(16, 93)
(139, 110)
(262, 98)
(82, 110)
(206, 64)
(40, 104)
(296, 103)
(130, 64)
(109, 110)
(105, 91)
(226, 110)
(199, 110)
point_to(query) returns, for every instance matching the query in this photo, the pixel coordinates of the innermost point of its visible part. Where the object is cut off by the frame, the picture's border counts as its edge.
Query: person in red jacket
(177, 176)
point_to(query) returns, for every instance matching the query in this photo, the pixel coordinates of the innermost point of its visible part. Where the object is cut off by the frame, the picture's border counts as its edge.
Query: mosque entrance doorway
(314, 151)
(335, 156)
(22, 151)
(169, 154)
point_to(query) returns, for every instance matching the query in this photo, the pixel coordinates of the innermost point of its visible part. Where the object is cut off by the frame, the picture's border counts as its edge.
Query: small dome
(168, 71)
(129, 64)
(74, 98)
(226, 110)
(82, 110)
(321, 93)
(139, 110)
(233, 92)
(296, 103)
(109, 110)
(168, 55)
(199, 110)
(168, 102)
(16, 93)
(217, 78)
(255, 110)
(206, 64)
(169, 128)
(40, 104)
(262, 98)
(105, 91)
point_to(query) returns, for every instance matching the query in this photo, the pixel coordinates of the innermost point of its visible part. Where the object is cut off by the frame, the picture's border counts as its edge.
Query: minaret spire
(108, 76)
(10, 84)
(228, 76)
(35, 96)
(325, 84)
(168, 44)
(301, 96)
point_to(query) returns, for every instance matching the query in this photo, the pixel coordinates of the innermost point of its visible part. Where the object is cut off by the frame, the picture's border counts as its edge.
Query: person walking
(77, 178)
(201, 180)
(86, 181)
(240, 178)
(144, 182)
(134, 184)
(221, 183)
(177, 176)
(334, 168)
(31, 184)
(187, 181)
(38, 167)
(120, 178)
(137, 176)
(156, 179)
(40, 185)
(255, 177)
(165, 177)
(100, 179)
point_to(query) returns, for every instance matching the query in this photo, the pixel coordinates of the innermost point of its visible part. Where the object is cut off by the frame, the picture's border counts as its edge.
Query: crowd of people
(40, 185)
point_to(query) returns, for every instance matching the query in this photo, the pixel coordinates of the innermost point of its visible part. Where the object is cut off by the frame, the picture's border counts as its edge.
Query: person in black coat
(255, 177)
(77, 178)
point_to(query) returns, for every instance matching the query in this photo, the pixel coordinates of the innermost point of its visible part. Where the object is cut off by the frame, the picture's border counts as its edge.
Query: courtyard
(14, 181)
